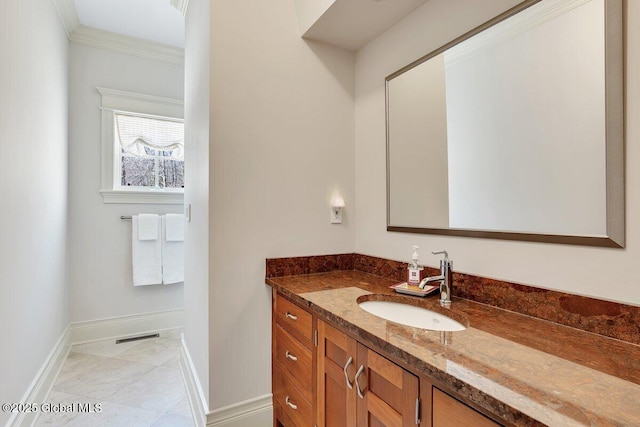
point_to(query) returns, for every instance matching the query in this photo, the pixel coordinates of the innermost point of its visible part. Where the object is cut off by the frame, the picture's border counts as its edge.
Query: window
(142, 148)
(151, 152)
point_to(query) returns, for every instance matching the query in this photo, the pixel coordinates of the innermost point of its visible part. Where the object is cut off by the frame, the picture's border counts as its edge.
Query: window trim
(141, 104)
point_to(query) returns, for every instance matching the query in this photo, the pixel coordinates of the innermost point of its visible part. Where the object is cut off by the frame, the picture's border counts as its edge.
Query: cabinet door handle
(346, 376)
(290, 356)
(291, 316)
(291, 405)
(360, 371)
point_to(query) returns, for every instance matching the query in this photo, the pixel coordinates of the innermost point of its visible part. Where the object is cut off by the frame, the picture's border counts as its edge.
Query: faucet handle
(446, 255)
(445, 263)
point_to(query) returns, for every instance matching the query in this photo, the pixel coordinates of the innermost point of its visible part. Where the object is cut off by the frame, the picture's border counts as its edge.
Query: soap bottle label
(415, 275)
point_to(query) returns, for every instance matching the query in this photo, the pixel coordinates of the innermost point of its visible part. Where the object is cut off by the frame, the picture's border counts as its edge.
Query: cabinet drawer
(291, 401)
(448, 411)
(294, 318)
(296, 358)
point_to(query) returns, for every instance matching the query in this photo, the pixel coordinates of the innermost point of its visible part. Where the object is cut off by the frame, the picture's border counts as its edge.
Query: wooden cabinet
(293, 360)
(448, 411)
(359, 387)
(324, 378)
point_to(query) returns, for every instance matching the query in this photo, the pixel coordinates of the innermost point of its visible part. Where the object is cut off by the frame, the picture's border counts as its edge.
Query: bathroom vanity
(336, 364)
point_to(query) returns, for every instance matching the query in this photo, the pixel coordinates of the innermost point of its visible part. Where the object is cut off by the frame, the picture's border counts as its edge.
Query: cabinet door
(387, 394)
(448, 411)
(336, 397)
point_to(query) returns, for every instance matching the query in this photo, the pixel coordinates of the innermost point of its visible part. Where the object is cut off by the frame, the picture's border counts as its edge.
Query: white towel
(148, 226)
(172, 256)
(146, 257)
(175, 227)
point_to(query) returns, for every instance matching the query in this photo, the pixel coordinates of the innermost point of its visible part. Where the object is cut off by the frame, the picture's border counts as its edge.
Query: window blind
(135, 133)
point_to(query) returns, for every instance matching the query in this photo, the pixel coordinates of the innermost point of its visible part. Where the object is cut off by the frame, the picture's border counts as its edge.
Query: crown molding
(181, 5)
(68, 15)
(78, 33)
(128, 45)
(120, 100)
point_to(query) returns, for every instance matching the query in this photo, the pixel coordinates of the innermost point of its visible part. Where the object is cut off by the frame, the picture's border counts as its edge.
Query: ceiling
(156, 21)
(156, 28)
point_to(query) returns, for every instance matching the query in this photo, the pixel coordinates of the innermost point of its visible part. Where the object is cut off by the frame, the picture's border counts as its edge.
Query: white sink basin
(411, 315)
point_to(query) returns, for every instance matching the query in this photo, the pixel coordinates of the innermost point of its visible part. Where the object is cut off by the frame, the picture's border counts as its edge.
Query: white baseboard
(119, 327)
(197, 400)
(39, 388)
(257, 412)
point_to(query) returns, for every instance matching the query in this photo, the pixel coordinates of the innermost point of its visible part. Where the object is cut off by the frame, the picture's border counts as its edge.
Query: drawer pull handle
(360, 394)
(291, 405)
(291, 316)
(346, 376)
(290, 356)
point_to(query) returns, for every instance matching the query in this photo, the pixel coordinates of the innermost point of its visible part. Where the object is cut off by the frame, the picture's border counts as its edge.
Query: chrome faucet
(445, 278)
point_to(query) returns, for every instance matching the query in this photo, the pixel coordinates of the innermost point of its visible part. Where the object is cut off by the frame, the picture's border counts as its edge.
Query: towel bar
(126, 217)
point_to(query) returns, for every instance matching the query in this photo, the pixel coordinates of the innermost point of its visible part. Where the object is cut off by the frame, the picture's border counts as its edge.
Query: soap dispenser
(415, 269)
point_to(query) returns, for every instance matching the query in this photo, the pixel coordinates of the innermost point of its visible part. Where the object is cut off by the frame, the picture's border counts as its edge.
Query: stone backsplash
(610, 319)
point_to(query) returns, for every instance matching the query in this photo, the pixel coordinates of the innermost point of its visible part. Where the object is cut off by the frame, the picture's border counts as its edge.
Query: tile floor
(137, 384)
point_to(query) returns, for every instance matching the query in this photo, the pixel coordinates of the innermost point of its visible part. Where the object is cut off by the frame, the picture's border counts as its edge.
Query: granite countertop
(529, 372)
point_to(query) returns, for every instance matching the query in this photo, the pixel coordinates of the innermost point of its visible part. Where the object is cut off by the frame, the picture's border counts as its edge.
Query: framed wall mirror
(514, 130)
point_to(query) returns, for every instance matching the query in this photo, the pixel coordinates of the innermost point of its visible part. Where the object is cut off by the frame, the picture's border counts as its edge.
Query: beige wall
(604, 273)
(270, 120)
(281, 141)
(34, 294)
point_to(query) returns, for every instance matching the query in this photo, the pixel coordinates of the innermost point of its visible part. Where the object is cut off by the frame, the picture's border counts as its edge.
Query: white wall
(34, 295)
(196, 110)
(99, 241)
(600, 272)
(281, 142)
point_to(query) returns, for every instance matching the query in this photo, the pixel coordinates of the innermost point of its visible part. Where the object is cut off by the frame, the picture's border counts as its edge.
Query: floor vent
(141, 337)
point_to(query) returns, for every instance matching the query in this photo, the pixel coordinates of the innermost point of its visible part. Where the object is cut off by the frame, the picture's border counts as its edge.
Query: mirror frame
(614, 124)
